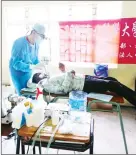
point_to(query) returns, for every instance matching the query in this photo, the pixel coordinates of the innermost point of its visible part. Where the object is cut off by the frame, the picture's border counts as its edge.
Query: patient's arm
(51, 88)
(56, 88)
(65, 87)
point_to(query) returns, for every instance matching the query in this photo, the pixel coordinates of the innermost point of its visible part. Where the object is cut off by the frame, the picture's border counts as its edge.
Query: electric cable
(51, 138)
(36, 132)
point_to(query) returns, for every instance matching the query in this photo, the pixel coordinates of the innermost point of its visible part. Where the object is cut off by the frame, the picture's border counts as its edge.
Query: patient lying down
(69, 81)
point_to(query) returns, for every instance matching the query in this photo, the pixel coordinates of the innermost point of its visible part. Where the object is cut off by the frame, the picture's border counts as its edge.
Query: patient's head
(73, 72)
(62, 67)
(37, 78)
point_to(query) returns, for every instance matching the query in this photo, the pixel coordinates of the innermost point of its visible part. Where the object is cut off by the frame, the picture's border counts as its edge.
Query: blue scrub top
(23, 54)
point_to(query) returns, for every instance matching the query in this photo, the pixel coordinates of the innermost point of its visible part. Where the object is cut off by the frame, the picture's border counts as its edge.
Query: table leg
(18, 145)
(92, 137)
(23, 147)
(135, 111)
(39, 149)
(34, 150)
(91, 148)
(57, 151)
(122, 128)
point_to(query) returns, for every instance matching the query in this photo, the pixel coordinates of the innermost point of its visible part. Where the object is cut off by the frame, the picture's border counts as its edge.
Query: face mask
(32, 46)
(38, 40)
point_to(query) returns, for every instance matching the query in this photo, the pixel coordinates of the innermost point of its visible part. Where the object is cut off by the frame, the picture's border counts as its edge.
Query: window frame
(53, 54)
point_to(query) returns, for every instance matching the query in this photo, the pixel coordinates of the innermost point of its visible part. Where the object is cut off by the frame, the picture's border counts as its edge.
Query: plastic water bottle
(55, 117)
(78, 100)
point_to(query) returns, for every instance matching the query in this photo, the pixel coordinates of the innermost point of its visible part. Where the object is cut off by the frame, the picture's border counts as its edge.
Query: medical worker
(24, 57)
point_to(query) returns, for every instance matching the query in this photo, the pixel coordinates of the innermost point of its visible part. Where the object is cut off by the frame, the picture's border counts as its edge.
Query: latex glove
(40, 65)
(37, 66)
(32, 66)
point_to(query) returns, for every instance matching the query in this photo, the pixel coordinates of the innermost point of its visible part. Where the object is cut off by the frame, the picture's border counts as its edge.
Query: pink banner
(127, 46)
(76, 41)
(99, 41)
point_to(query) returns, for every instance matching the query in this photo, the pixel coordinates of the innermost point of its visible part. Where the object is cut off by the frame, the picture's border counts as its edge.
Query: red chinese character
(125, 30)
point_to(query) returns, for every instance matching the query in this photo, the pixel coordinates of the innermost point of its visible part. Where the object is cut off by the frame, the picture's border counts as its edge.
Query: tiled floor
(108, 136)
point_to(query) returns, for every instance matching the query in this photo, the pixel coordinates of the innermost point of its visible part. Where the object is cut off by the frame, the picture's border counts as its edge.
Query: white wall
(5, 52)
(129, 9)
(124, 73)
